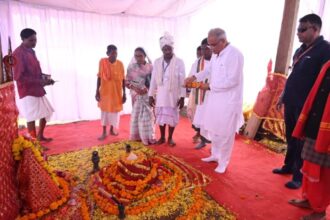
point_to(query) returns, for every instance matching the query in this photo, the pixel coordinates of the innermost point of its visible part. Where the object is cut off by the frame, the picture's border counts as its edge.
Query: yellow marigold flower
(40, 213)
(53, 206)
(32, 216)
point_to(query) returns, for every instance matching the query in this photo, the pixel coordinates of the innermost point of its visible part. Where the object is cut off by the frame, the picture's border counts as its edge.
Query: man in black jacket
(307, 62)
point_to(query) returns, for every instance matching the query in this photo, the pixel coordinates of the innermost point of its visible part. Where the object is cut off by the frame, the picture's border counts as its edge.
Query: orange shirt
(111, 87)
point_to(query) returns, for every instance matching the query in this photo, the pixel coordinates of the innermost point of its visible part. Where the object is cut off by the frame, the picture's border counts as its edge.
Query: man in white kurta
(223, 116)
(167, 80)
(197, 96)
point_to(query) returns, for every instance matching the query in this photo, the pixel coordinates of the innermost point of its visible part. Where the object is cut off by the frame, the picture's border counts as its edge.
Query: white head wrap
(133, 60)
(167, 39)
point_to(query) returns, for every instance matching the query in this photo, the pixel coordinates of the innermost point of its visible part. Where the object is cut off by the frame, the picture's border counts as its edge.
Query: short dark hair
(141, 50)
(199, 48)
(204, 42)
(110, 48)
(27, 32)
(314, 19)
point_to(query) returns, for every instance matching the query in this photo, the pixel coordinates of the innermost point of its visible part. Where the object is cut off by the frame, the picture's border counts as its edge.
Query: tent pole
(283, 57)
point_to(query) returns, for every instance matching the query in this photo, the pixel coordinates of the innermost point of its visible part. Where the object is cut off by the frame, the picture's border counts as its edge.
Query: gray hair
(218, 32)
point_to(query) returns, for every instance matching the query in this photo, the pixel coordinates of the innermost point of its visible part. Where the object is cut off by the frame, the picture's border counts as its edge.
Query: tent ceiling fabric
(148, 8)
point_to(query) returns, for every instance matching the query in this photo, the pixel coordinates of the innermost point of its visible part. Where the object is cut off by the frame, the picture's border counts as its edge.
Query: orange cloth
(265, 105)
(111, 87)
(317, 192)
(322, 144)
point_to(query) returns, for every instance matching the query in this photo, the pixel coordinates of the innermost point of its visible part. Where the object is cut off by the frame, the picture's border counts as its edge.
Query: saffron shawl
(322, 143)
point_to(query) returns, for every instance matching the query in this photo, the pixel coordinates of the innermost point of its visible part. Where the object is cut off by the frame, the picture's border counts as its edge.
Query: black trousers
(293, 161)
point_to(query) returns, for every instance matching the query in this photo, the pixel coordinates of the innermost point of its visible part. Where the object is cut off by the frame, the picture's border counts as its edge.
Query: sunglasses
(303, 29)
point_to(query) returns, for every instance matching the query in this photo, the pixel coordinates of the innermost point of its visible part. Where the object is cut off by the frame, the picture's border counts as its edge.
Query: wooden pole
(283, 57)
(288, 30)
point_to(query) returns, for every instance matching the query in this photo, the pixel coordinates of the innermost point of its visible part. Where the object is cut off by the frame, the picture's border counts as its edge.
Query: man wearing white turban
(166, 85)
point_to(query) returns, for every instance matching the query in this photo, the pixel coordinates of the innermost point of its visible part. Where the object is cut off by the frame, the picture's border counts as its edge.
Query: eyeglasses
(303, 29)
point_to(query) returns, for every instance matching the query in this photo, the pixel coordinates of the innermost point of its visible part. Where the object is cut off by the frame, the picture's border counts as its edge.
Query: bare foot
(171, 142)
(113, 131)
(301, 203)
(160, 141)
(314, 216)
(42, 138)
(102, 137)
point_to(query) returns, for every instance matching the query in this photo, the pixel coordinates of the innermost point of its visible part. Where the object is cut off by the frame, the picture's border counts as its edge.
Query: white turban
(167, 39)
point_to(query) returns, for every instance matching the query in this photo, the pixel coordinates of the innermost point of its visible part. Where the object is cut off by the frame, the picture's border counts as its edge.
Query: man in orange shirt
(110, 91)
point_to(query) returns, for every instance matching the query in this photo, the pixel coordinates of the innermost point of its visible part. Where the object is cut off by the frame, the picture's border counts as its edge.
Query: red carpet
(248, 187)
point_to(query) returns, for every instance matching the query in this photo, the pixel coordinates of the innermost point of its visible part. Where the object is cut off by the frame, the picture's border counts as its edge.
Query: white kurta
(168, 96)
(198, 117)
(223, 108)
(222, 115)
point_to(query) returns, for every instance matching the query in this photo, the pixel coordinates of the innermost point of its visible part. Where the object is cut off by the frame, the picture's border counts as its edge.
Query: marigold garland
(53, 206)
(196, 206)
(150, 204)
(84, 209)
(20, 144)
(143, 196)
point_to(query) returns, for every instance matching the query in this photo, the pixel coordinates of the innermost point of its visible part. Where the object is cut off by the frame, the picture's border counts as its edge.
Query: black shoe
(281, 171)
(200, 145)
(293, 185)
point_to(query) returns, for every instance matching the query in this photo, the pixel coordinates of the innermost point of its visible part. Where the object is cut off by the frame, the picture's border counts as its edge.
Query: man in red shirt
(33, 104)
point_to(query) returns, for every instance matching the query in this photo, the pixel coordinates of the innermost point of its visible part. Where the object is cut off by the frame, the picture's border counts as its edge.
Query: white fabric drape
(70, 43)
(152, 8)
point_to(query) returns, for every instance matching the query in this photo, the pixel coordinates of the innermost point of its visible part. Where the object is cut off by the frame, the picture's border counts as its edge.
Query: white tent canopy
(145, 8)
(71, 42)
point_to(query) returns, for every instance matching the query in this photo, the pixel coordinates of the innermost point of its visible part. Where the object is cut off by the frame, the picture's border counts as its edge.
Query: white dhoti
(34, 108)
(198, 121)
(221, 150)
(167, 116)
(110, 118)
(198, 117)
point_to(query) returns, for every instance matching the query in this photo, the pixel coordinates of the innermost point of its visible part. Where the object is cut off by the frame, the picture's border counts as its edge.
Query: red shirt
(27, 73)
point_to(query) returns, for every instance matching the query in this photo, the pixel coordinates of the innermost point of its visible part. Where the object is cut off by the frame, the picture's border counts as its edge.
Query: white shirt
(223, 107)
(167, 97)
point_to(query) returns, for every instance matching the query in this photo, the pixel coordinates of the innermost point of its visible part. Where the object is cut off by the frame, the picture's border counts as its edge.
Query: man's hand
(189, 80)
(151, 101)
(124, 98)
(97, 96)
(142, 91)
(47, 82)
(181, 103)
(204, 86)
(279, 103)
